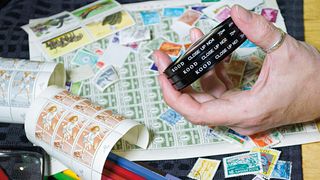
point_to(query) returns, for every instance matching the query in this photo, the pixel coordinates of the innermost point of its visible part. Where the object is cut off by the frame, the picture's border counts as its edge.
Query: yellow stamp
(65, 43)
(269, 158)
(110, 24)
(204, 169)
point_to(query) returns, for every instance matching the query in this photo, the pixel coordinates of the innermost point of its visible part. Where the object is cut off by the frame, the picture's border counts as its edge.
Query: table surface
(311, 152)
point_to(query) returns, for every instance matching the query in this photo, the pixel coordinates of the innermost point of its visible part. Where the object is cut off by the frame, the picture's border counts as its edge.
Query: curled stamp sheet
(21, 81)
(77, 132)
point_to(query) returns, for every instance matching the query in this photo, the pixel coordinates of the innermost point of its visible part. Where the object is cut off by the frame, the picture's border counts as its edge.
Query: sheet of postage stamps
(204, 169)
(269, 158)
(282, 170)
(243, 164)
(77, 132)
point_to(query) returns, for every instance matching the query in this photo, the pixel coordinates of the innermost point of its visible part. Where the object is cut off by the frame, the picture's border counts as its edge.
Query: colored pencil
(113, 167)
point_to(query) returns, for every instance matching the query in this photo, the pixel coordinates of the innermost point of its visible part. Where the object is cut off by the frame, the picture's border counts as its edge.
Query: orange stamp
(171, 49)
(47, 121)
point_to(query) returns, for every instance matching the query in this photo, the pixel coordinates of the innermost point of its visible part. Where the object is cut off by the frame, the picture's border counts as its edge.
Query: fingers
(195, 34)
(210, 82)
(255, 27)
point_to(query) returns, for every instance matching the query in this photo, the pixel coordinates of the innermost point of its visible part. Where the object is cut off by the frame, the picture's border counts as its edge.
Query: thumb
(255, 27)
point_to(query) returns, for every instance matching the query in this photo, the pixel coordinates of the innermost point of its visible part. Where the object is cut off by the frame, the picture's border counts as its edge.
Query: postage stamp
(150, 17)
(204, 169)
(248, 44)
(88, 142)
(270, 14)
(198, 7)
(265, 139)
(134, 34)
(170, 116)
(53, 25)
(110, 24)
(173, 12)
(223, 13)
(95, 9)
(153, 67)
(269, 158)
(67, 132)
(243, 164)
(47, 122)
(65, 43)
(258, 177)
(282, 170)
(105, 77)
(172, 49)
(76, 87)
(85, 57)
(190, 17)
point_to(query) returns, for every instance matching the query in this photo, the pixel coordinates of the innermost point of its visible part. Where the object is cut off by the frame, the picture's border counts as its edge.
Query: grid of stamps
(66, 124)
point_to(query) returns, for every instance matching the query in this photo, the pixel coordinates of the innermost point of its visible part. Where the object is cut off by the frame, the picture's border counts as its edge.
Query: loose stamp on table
(270, 14)
(266, 139)
(150, 17)
(170, 116)
(84, 57)
(204, 169)
(243, 164)
(173, 12)
(190, 17)
(269, 158)
(172, 49)
(282, 170)
(105, 77)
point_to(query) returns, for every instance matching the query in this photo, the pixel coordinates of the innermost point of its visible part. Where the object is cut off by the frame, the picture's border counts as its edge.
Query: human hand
(287, 90)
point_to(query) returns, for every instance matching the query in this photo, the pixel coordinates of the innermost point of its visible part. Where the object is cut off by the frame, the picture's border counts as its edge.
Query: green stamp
(243, 164)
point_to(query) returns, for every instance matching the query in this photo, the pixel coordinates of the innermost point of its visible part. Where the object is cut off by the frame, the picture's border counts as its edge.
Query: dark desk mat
(14, 44)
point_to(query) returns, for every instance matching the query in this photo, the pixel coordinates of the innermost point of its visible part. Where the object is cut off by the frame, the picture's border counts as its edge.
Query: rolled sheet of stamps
(243, 164)
(269, 158)
(77, 132)
(21, 81)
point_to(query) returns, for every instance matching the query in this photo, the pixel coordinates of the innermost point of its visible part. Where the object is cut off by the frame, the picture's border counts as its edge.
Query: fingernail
(243, 14)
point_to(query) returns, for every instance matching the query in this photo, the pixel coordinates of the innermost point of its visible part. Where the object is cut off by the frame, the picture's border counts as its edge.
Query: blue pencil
(136, 168)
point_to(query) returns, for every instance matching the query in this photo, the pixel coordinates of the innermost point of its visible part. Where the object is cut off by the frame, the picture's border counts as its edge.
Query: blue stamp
(173, 12)
(248, 44)
(153, 67)
(198, 8)
(170, 116)
(282, 170)
(150, 17)
(85, 57)
(237, 134)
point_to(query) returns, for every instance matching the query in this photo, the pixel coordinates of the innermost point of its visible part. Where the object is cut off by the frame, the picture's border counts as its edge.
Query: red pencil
(113, 167)
(108, 175)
